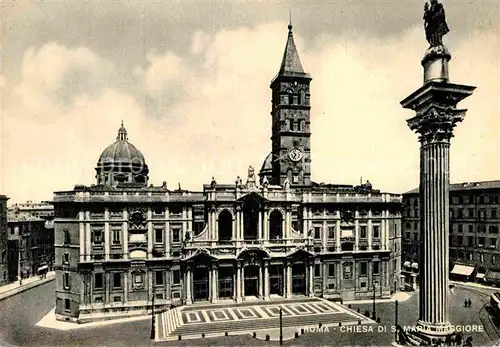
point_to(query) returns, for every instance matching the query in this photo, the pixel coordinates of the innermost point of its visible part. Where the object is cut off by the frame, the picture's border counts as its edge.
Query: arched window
(275, 225)
(225, 226)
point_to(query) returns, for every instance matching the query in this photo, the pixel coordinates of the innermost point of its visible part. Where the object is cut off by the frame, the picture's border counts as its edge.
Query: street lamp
(152, 337)
(396, 323)
(374, 314)
(281, 327)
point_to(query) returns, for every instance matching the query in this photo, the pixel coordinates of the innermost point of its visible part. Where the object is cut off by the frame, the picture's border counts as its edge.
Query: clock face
(295, 154)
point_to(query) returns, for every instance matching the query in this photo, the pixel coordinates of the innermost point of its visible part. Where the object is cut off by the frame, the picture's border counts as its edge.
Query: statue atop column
(435, 23)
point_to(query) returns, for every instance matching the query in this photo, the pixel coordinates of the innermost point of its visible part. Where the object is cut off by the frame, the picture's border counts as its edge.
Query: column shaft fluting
(434, 225)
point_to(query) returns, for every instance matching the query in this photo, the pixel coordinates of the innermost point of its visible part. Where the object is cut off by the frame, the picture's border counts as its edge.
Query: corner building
(123, 246)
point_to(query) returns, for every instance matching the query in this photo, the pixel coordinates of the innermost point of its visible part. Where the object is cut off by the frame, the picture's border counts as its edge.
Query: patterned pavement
(216, 320)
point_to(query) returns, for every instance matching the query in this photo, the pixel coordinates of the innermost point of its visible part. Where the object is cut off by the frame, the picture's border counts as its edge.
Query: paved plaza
(247, 318)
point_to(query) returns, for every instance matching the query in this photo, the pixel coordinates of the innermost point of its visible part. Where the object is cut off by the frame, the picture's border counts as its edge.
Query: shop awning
(463, 270)
(406, 264)
(43, 268)
(414, 266)
(493, 276)
(480, 276)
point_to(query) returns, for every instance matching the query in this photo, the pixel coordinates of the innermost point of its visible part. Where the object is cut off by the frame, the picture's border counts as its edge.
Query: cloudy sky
(191, 80)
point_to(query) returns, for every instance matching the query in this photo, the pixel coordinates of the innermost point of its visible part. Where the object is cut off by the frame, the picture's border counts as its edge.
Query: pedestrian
(465, 303)
(469, 303)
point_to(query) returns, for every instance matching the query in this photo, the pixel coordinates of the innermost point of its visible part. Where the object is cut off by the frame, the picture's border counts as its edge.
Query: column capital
(436, 123)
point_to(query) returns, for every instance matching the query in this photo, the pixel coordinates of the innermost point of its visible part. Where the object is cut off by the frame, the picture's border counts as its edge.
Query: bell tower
(291, 135)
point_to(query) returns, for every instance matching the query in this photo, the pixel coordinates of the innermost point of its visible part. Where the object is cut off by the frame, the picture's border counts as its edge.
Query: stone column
(436, 116)
(125, 234)
(266, 280)
(150, 233)
(369, 231)
(288, 280)
(310, 280)
(261, 284)
(189, 296)
(266, 224)
(125, 286)
(259, 226)
(81, 234)
(238, 283)
(167, 233)
(337, 236)
(106, 235)
(88, 237)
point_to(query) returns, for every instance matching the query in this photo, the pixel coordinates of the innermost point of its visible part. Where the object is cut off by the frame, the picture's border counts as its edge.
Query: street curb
(25, 287)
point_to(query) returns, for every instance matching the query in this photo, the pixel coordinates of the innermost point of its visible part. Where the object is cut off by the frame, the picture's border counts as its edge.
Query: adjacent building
(474, 225)
(4, 272)
(42, 209)
(122, 245)
(30, 245)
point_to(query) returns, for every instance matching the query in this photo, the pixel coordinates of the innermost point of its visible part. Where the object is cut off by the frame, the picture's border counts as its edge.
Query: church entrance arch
(299, 286)
(251, 274)
(201, 286)
(276, 280)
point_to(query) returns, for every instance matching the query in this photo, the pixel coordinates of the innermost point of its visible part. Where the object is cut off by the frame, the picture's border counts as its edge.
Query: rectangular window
(98, 281)
(331, 232)
(460, 212)
(471, 199)
(481, 242)
(176, 235)
(363, 269)
(97, 238)
(67, 238)
(117, 280)
(470, 241)
(470, 213)
(158, 235)
(460, 240)
(117, 298)
(66, 281)
(176, 274)
(65, 260)
(493, 229)
(331, 270)
(494, 213)
(158, 210)
(67, 305)
(471, 228)
(481, 199)
(317, 270)
(159, 278)
(408, 225)
(362, 232)
(415, 225)
(116, 236)
(493, 259)
(376, 232)
(376, 267)
(460, 228)
(407, 236)
(493, 242)
(175, 209)
(317, 232)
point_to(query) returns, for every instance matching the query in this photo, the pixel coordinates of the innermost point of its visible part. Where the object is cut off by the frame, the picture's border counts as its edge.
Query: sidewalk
(399, 296)
(475, 285)
(14, 288)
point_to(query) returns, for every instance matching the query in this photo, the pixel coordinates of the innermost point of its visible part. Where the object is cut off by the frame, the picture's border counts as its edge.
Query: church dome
(121, 162)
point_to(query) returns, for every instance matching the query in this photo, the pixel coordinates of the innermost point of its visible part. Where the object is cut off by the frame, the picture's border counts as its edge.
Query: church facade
(122, 246)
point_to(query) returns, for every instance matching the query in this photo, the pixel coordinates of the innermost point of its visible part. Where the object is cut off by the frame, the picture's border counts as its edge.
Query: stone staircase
(173, 326)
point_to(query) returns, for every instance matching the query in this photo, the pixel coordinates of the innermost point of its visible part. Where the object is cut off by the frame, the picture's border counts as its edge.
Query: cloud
(56, 74)
(206, 112)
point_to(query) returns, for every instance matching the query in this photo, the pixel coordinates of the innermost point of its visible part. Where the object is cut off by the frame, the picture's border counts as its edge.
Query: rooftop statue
(435, 23)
